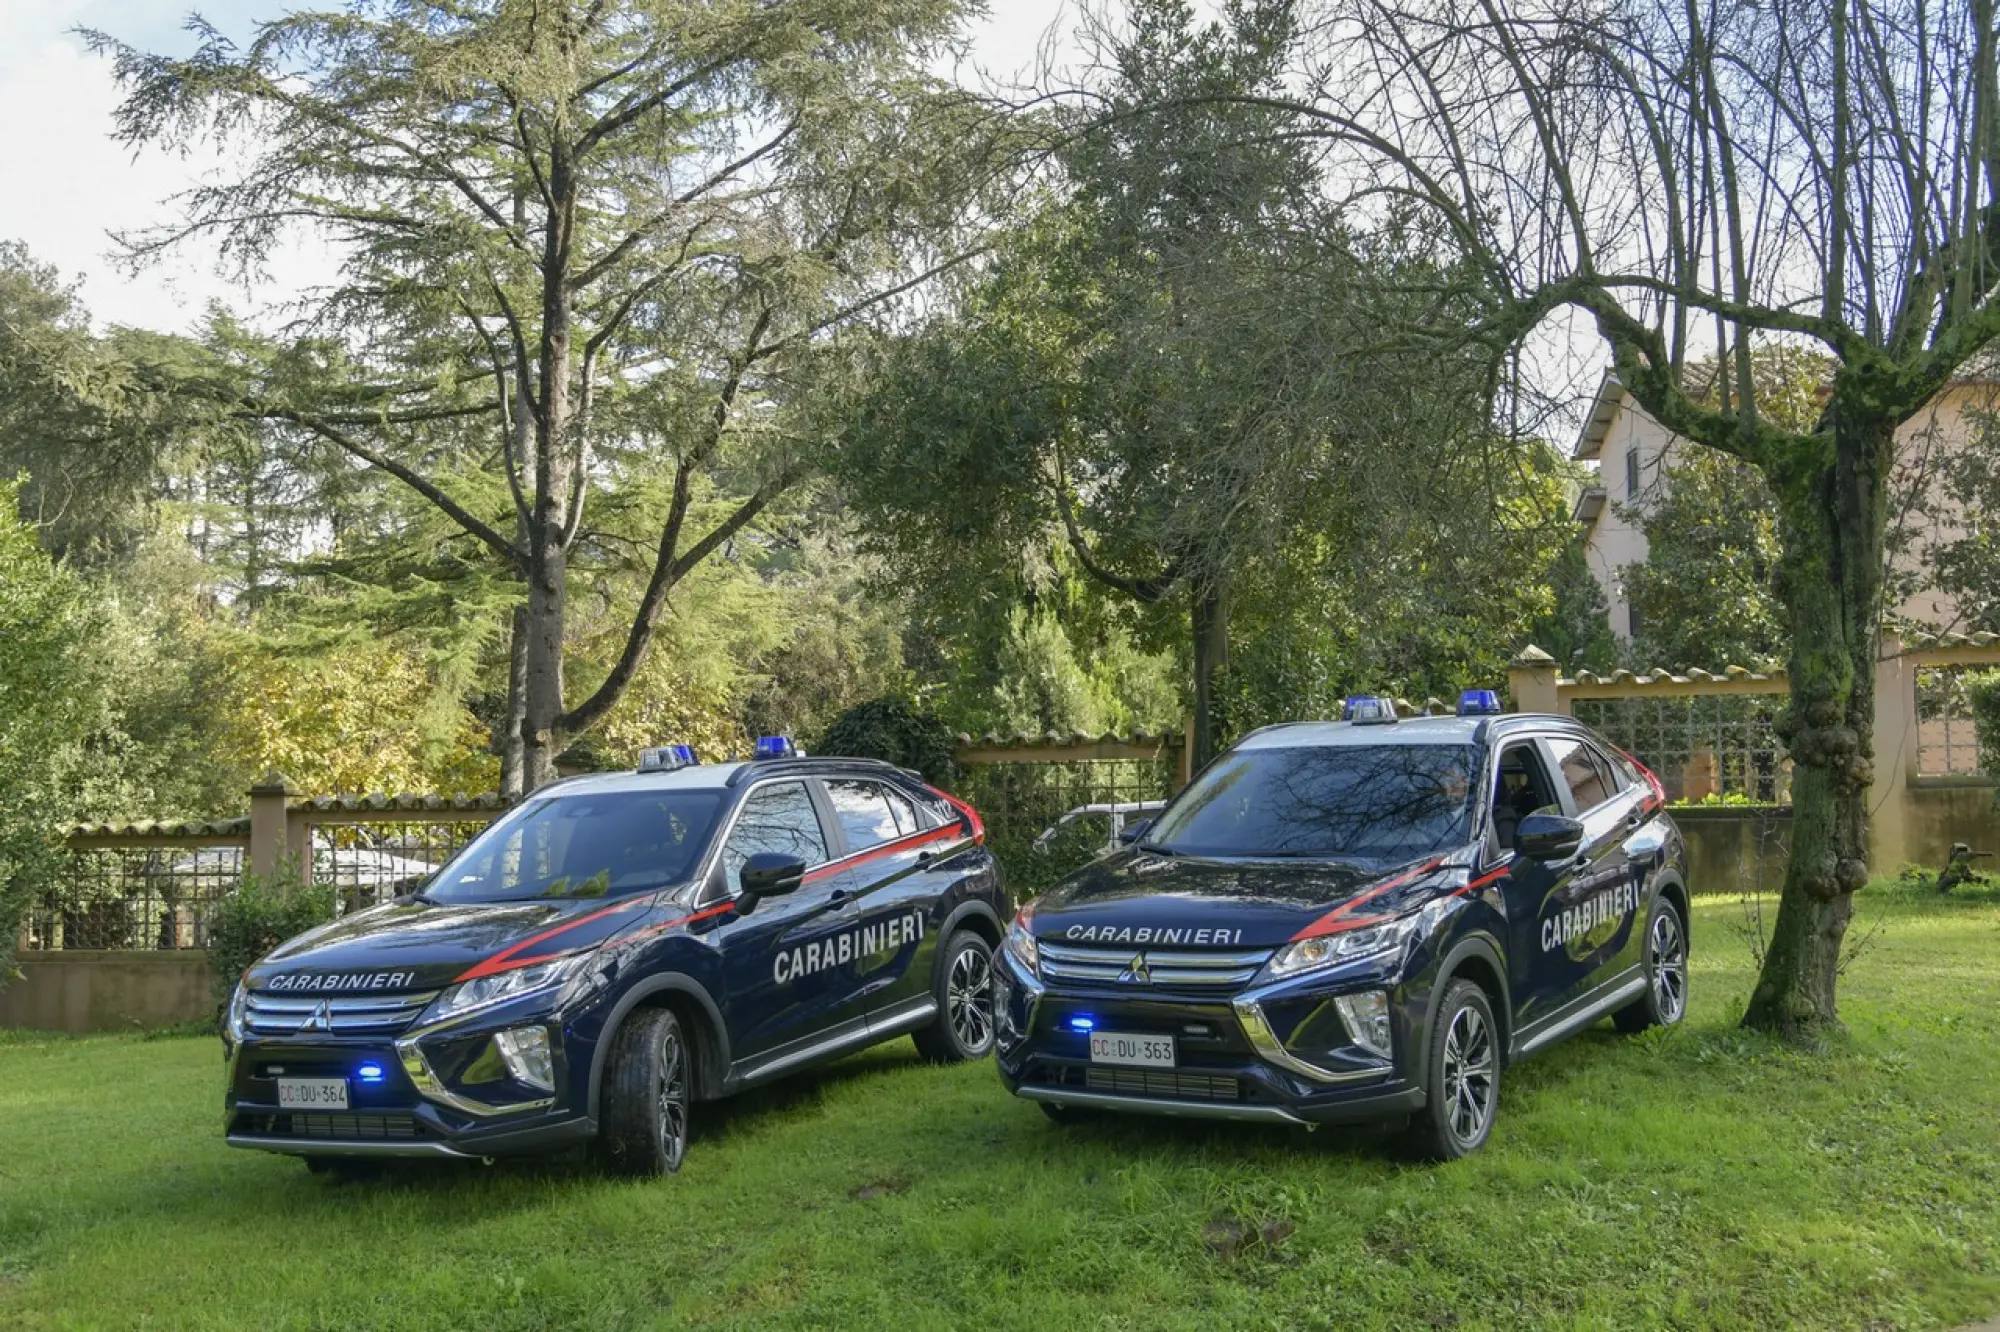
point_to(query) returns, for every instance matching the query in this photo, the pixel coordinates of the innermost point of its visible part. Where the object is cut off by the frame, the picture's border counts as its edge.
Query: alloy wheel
(1468, 1074)
(672, 1093)
(1669, 964)
(968, 999)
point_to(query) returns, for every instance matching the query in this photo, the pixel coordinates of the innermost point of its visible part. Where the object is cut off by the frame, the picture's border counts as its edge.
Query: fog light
(1367, 1018)
(528, 1057)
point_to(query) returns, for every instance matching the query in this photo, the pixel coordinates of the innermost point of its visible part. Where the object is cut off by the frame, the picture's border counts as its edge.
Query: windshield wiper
(1156, 849)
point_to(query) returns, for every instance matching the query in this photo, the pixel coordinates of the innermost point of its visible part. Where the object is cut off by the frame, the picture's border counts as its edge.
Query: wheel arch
(1476, 958)
(697, 1010)
(1668, 884)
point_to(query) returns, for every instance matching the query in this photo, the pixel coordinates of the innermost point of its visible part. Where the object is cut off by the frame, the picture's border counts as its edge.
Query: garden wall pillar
(274, 835)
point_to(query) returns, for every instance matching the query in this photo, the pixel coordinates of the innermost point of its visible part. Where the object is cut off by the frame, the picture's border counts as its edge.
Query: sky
(65, 184)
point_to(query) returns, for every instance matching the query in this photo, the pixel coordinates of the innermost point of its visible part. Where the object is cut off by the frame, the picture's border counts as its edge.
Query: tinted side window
(864, 813)
(1624, 772)
(909, 818)
(1583, 771)
(778, 817)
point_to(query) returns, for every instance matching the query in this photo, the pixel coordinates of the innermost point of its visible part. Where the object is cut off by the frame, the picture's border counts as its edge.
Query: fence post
(270, 838)
(1895, 737)
(1531, 678)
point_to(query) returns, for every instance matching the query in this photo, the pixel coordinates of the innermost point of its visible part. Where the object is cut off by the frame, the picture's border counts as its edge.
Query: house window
(1631, 475)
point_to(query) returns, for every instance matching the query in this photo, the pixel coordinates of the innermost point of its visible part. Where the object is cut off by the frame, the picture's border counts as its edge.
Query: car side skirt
(1582, 1012)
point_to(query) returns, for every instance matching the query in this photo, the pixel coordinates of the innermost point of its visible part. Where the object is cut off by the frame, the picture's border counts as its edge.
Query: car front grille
(329, 1128)
(350, 1015)
(1179, 970)
(1160, 1084)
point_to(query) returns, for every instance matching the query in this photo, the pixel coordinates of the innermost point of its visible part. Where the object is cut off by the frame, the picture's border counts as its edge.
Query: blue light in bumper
(370, 1072)
(1081, 1023)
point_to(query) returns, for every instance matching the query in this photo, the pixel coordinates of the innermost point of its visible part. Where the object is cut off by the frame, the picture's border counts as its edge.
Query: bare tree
(1701, 180)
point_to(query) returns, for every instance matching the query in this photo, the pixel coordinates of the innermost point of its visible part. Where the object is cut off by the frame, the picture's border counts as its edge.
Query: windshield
(583, 846)
(1363, 802)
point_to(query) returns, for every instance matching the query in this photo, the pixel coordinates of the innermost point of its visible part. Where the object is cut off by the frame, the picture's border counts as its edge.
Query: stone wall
(1733, 849)
(78, 990)
(1938, 812)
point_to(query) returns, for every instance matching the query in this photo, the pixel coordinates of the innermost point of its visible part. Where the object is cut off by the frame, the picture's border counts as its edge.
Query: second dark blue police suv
(1355, 921)
(616, 949)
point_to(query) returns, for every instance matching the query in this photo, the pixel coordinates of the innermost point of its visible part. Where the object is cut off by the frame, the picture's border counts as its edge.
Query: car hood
(1137, 897)
(410, 945)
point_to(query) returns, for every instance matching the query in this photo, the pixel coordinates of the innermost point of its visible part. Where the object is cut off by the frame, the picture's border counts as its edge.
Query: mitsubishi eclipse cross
(616, 948)
(1364, 920)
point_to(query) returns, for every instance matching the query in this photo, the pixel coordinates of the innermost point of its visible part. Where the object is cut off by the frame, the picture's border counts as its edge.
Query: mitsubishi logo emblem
(1137, 971)
(320, 1019)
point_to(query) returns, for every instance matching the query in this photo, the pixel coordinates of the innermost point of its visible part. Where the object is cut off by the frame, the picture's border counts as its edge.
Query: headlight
(1020, 943)
(232, 1026)
(487, 990)
(1330, 950)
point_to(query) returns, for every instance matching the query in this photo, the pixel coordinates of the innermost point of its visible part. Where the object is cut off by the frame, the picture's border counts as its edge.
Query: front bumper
(438, 1092)
(1261, 1055)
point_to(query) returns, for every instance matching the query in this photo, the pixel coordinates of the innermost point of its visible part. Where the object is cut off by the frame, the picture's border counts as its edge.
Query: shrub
(1982, 692)
(892, 730)
(256, 918)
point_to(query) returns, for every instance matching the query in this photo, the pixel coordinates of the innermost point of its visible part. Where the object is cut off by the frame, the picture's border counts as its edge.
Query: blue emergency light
(369, 1072)
(666, 758)
(1479, 703)
(777, 747)
(1368, 710)
(1082, 1023)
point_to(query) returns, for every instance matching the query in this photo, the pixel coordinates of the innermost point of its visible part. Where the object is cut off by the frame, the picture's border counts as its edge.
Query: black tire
(1462, 1070)
(964, 1026)
(1665, 1001)
(646, 1093)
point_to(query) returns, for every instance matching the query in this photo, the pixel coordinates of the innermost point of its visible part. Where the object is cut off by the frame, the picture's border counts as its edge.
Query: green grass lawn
(1693, 1179)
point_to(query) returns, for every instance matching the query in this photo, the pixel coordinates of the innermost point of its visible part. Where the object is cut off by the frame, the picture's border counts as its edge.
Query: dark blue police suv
(1354, 921)
(619, 947)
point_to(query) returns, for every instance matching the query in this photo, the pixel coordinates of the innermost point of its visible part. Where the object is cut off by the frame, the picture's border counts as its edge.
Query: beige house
(1633, 453)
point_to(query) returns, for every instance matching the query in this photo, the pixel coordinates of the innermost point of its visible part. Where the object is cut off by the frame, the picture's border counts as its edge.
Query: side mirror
(1132, 832)
(1548, 837)
(770, 873)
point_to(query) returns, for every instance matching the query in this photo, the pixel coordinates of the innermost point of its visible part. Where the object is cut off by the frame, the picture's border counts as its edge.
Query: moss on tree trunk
(1833, 511)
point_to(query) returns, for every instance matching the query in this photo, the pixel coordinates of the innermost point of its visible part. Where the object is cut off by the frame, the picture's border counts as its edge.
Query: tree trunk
(1832, 514)
(1210, 622)
(548, 554)
(508, 737)
(542, 664)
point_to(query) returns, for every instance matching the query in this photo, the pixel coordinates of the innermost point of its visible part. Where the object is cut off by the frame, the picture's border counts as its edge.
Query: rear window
(866, 817)
(1363, 802)
(1586, 771)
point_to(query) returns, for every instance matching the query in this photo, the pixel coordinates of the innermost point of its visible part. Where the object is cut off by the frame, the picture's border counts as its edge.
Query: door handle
(840, 897)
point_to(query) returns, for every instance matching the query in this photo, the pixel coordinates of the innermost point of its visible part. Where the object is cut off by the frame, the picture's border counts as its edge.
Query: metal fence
(1947, 743)
(1020, 800)
(1701, 747)
(154, 896)
(369, 863)
(150, 885)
